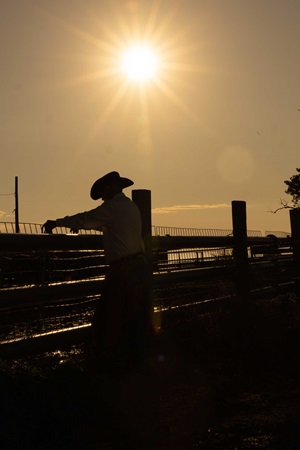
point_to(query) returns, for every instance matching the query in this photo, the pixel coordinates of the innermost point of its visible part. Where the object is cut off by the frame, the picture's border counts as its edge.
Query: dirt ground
(220, 380)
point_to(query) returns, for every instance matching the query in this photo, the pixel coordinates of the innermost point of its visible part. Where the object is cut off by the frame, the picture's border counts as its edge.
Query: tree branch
(284, 205)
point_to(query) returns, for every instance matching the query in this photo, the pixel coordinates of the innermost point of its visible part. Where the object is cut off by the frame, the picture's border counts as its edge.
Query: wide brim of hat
(99, 185)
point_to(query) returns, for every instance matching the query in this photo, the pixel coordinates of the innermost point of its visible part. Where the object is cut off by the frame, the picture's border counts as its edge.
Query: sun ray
(145, 132)
(156, 27)
(104, 116)
(165, 89)
(81, 80)
(79, 32)
(152, 20)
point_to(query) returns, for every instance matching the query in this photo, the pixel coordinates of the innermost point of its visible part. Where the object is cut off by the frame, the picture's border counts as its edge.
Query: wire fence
(44, 267)
(171, 260)
(27, 271)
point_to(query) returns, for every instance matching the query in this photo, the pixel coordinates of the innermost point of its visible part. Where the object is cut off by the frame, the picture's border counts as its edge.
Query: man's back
(122, 229)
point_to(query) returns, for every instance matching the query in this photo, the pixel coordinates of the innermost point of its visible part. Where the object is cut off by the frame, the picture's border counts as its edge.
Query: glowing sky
(219, 122)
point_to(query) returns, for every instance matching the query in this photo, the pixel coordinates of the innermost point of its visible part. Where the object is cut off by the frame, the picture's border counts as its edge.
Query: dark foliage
(294, 188)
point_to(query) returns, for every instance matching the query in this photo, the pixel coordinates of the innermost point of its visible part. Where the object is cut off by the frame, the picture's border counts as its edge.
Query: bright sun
(139, 63)
(138, 60)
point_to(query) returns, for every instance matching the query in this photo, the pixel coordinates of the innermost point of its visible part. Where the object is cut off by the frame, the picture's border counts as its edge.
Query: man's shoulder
(122, 201)
(121, 197)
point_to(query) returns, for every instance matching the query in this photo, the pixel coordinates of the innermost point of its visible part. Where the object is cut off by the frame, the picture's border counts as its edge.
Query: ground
(225, 379)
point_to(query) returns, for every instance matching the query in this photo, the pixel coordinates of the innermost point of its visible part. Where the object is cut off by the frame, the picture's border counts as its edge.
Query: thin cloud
(4, 214)
(182, 208)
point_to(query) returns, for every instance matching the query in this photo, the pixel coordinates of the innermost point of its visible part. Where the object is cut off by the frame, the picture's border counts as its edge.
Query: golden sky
(218, 122)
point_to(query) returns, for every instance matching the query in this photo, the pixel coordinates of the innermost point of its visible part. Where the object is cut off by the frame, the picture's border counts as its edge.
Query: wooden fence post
(295, 230)
(142, 198)
(240, 248)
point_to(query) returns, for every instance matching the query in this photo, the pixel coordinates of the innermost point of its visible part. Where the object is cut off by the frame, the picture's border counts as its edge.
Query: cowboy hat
(110, 178)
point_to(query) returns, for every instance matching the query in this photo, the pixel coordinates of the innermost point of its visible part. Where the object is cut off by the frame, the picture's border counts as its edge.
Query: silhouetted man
(122, 321)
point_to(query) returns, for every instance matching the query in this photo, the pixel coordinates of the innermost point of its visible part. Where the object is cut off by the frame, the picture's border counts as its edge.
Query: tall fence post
(142, 198)
(240, 248)
(295, 231)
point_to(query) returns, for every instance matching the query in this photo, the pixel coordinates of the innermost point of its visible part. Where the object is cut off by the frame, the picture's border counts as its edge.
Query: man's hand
(48, 226)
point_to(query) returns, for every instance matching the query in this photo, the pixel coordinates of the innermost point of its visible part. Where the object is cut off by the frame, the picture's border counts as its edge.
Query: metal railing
(36, 228)
(177, 231)
(58, 278)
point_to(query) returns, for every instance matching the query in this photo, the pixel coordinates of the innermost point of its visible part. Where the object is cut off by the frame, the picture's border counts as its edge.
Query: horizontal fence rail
(19, 242)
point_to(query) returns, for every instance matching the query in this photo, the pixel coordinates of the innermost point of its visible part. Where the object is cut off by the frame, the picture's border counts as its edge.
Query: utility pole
(16, 206)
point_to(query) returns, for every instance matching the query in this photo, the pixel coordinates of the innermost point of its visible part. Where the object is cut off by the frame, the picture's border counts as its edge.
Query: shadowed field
(228, 379)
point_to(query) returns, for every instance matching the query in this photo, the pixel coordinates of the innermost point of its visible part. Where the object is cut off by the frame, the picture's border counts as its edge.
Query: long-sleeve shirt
(120, 221)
